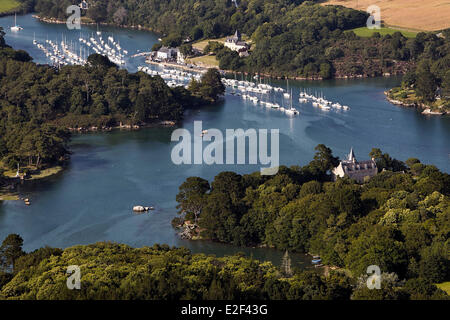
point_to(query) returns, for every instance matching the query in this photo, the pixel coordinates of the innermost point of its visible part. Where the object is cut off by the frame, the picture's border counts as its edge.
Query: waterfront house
(361, 171)
(165, 53)
(235, 43)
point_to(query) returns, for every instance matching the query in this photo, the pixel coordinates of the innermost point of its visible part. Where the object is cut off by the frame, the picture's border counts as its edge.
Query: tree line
(399, 220)
(117, 271)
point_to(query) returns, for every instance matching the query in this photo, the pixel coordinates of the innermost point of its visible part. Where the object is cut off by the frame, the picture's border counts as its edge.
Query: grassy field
(200, 45)
(44, 173)
(9, 197)
(444, 286)
(366, 32)
(8, 5)
(429, 15)
(203, 43)
(204, 61)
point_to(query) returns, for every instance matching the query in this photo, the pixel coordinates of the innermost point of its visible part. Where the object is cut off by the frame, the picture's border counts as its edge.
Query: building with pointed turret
(235, 43)
(361, 171)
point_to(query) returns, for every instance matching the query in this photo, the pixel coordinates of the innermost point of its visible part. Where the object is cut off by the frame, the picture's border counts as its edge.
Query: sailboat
(286, 94)
(291, 110)
(98, 31)
(16, 28)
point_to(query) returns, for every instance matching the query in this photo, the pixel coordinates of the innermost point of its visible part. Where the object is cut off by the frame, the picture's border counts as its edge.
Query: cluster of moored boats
(109, 48)
(321, 102)
(258, 93)
(247, 89)
(172, 77)
(61, 54)
(65, 53)
(252, 87)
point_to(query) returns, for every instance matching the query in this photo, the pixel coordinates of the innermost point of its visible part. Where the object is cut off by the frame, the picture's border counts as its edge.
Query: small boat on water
(324, 107)
(16, 28)
(316, 260)
(141, 209)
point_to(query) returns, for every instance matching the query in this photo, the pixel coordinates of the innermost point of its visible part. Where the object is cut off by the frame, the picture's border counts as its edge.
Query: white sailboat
(286, 95)
(16, 28)
(291, 110)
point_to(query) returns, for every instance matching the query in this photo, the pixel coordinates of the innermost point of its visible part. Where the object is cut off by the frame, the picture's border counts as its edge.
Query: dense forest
(399, 220)
(38, 102)
(117, 271)
(293, 38)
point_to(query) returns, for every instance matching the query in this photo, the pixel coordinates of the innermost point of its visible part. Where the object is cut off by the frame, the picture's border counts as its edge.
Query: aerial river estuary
(110, 172)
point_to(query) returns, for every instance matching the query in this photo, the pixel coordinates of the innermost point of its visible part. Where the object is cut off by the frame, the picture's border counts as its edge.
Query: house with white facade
(361, 171)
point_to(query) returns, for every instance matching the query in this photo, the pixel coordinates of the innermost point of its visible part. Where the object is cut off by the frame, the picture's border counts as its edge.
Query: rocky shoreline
(57, 21)
(316, 78)
(122, 127)
(425, 109)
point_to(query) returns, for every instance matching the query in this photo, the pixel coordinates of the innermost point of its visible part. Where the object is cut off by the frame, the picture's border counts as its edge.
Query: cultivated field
(8, 5)
(426, 15)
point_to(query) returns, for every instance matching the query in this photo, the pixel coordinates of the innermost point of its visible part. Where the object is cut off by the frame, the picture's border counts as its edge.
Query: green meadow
(8, 5)
(366, 32)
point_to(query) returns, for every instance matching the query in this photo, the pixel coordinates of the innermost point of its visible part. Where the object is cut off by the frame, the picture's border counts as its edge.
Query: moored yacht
(16, 28)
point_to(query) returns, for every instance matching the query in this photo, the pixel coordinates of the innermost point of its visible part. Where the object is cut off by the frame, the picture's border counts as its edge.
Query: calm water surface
(110, 172)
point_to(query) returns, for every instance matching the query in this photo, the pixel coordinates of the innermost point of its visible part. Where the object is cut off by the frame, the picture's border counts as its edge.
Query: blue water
(110, 172)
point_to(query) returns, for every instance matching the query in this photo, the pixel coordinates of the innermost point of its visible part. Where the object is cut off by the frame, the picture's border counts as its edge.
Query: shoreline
(8, 192)
(423, 108)
(57, 21)
(185, 232)
(129, 127)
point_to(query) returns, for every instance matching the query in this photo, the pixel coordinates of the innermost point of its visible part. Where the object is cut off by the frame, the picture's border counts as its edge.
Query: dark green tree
(10, 251)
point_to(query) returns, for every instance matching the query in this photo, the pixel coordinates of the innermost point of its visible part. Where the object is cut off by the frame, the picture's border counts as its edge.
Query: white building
(165, 53)
(180, 57)
(235, 43)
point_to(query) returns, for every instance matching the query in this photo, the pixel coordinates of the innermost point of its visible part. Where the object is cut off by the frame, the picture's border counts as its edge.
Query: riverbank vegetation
(117, 271)
(399, 220)
(428, 84)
